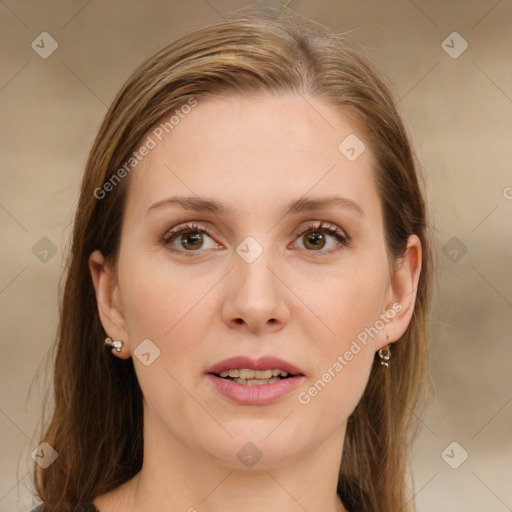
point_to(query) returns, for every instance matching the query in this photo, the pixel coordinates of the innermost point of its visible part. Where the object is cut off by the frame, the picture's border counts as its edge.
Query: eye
(190, 237)
(315, 237)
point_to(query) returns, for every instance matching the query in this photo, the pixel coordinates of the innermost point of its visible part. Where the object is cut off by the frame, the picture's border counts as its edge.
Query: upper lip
(263, 363)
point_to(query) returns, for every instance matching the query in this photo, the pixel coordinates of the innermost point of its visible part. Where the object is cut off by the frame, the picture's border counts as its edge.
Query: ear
(404, 285)
(109, 301)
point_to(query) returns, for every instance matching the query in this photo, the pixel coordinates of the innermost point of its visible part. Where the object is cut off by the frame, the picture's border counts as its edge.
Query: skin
(255, 155)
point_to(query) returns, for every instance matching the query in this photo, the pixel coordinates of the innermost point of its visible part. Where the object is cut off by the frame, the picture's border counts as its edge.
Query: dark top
(81, 508)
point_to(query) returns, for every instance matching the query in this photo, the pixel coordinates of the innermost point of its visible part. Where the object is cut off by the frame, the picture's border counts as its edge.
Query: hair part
(97, 396)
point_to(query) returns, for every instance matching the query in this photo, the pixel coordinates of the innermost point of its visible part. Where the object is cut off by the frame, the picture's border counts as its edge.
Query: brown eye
(314, 240)
(323, 238)
(188, 238)
(192, 241)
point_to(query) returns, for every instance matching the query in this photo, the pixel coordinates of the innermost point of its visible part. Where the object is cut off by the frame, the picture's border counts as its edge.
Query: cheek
(349, 303)
(331, 398)
(171, 309)
(158, 300)
(351, 308)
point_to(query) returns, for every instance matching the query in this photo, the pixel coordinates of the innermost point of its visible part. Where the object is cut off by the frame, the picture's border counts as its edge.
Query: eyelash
(323, 227)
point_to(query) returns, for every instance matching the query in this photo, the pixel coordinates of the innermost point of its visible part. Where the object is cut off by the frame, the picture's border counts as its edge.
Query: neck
(178, 477)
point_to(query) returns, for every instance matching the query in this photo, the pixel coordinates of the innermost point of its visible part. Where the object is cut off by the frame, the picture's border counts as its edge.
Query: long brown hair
(96, 425)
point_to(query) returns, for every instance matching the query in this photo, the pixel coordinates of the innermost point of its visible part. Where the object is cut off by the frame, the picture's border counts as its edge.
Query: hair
(96, 396)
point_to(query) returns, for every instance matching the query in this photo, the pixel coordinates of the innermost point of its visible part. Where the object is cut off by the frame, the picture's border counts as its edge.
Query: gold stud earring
(116, 345)
(385, 354)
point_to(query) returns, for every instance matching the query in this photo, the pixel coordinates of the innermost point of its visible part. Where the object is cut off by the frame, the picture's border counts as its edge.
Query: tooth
(263, 374)
(247, 374)
(256, 382)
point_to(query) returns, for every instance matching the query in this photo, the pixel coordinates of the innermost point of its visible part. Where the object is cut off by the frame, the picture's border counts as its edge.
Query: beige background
(458, 111)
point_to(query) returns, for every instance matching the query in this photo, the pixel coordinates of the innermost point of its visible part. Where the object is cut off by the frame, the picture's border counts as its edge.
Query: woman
(251, 243)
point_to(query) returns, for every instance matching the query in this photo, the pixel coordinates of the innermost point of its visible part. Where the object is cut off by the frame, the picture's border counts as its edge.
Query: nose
(256, 299)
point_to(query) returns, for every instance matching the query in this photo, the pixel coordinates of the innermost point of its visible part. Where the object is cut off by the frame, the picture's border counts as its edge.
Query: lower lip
(255, 395)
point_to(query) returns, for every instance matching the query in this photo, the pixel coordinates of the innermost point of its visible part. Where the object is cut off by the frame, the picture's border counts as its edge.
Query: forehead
(253, 153)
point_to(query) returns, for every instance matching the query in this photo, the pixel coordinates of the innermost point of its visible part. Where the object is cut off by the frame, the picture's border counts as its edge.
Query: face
(265, 267)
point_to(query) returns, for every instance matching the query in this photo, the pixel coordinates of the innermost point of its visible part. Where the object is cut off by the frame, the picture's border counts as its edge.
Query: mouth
(255, 382)
(248, 377)
(265, 368)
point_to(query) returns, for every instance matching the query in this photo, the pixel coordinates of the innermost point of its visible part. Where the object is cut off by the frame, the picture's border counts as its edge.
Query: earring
(385, 354)
(116, 345)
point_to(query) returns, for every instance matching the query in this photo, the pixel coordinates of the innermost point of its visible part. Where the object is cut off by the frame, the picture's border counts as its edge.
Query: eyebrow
(199, 204)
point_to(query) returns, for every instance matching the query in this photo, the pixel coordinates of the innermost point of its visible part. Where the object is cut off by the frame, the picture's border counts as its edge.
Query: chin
(255, 451)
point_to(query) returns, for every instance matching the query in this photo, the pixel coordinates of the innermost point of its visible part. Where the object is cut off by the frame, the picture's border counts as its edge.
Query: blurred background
(451, 66)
